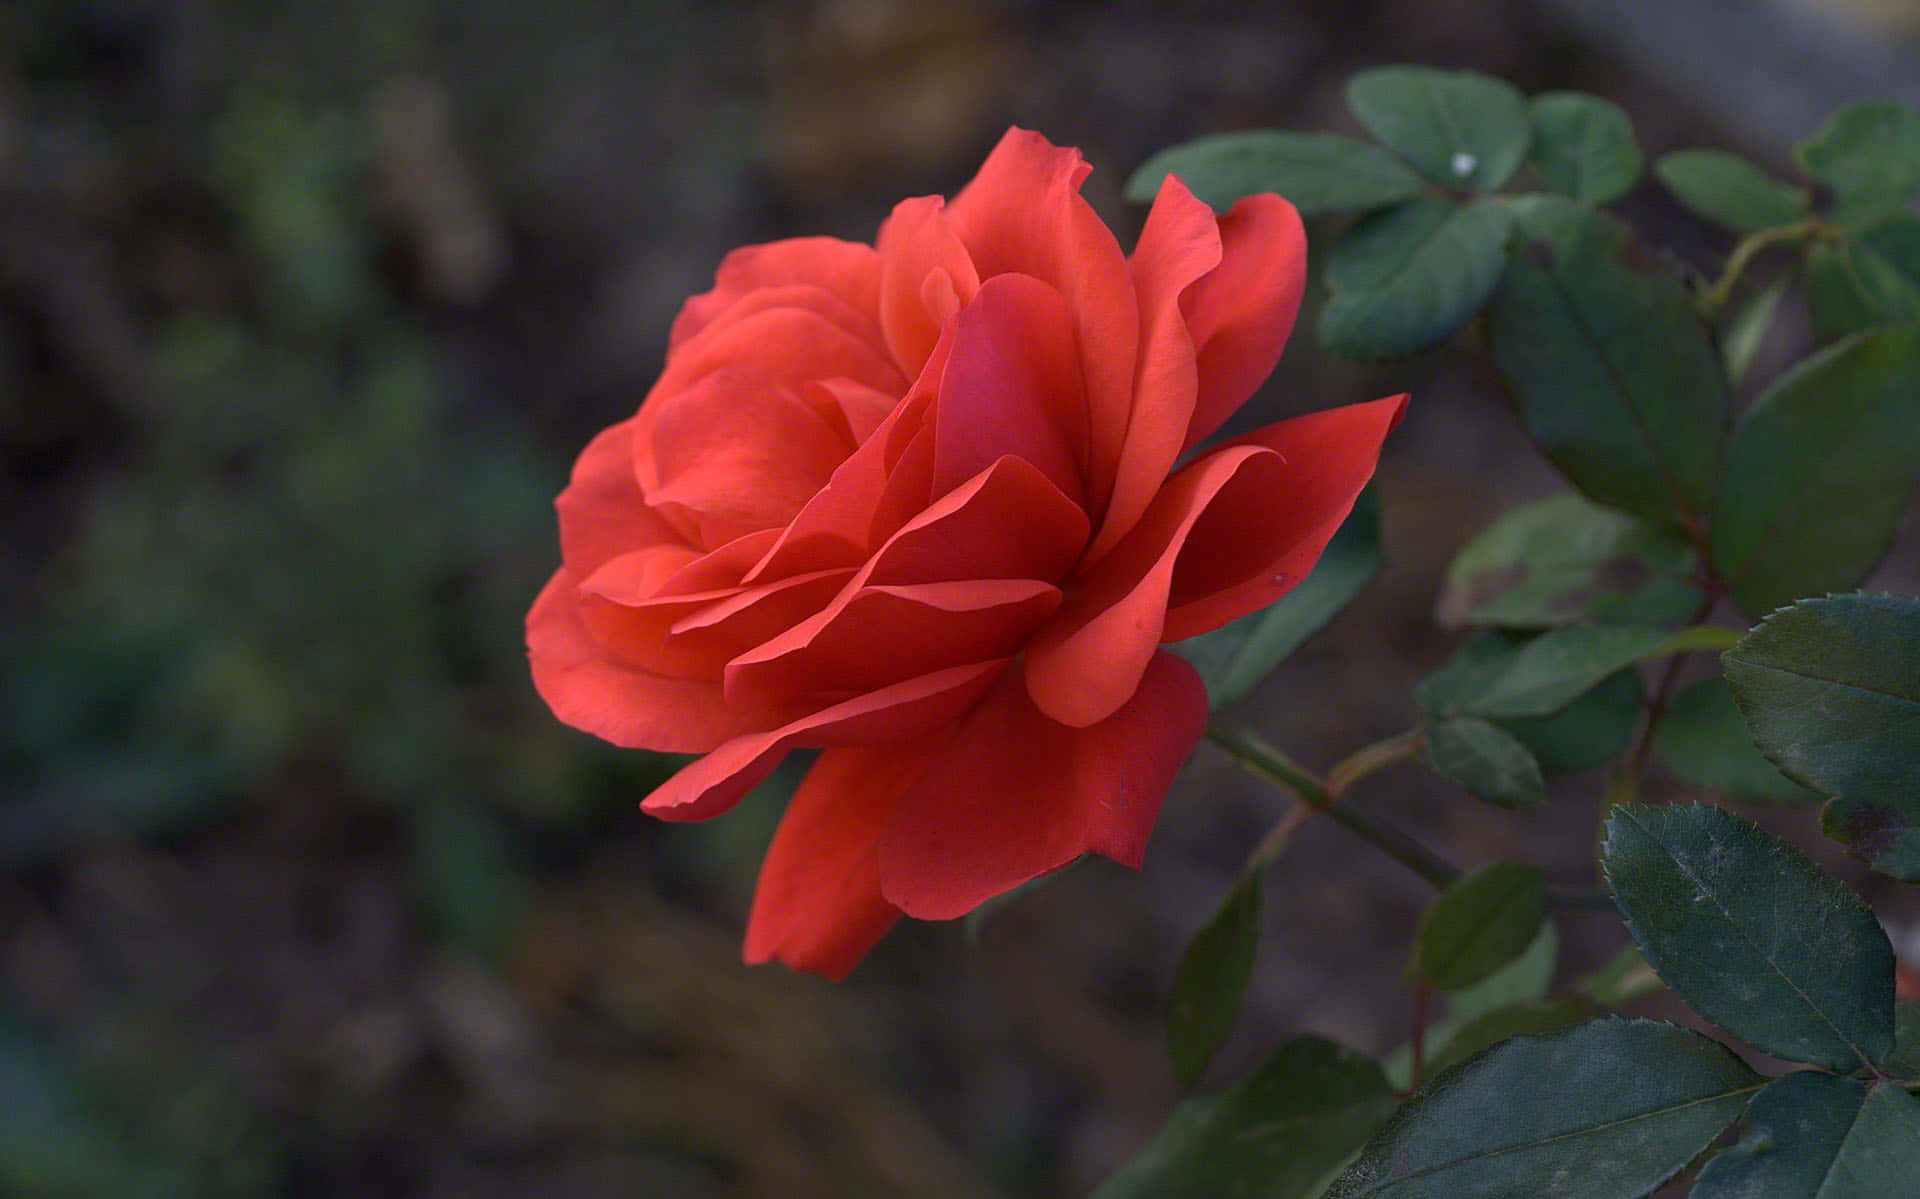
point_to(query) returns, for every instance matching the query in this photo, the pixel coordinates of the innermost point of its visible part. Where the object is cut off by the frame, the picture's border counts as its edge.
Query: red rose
(915, 505)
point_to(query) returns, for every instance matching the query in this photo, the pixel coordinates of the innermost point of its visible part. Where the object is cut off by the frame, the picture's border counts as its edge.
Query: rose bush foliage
(916, 505)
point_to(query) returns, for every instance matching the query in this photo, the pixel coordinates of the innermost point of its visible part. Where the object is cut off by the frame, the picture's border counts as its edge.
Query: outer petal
(915, 708)
(1090, 658)
(626, 706)
(1239, 316)
(602, 513)
(848, 270)
(1016, 795)
(1250, 548)
(926, 276)
(791, 346)
(818, 906)
(1011, 386)
(1179, 244)
(1023, 213)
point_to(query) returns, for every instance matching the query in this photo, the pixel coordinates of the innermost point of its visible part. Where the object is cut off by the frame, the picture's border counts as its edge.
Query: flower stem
(1715, 298)
(1257, 757)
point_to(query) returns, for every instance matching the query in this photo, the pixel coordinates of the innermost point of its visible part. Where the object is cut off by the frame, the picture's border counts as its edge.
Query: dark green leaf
(1591, 730)
(1274, 1135)
(1583, 146)
(1703, 742)
(1904, 1061)
(1821, 471)
(1818, 1135)
(1518, 1020)
(1869, 154)
(1611, 1108)
(1616, 379)
(1463, 130)
(1831, 691)
(1317, 172)
(1232, 660)
(1730, 191)
(1485, 759)
(1860, 282)
(1520, 982)
(1479, 924)
(1404, 279)
(1210, 979)
(1559, 560)
(1551, 670)
(1753, 935)
(1747, 329)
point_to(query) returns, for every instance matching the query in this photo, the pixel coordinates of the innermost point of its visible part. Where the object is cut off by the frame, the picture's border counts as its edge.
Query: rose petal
(1252, 545)
(790, 346)
(1239, 315)
(818, 905)
(1090, 658)
(915, 708)
(847, 270)
(1016, 795)
(1178, 245)
(1023, 214)
(881, 634)
(631, 708)
(1012, 386)
(1007, 522)
(916, 244)
(860, 324)
(695, 636)
(602, 513)
(735, 453)
(854, 408)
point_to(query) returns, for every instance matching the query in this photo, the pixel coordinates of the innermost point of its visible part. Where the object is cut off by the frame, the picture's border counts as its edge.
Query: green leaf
(1821, 471)
(1232, 660)
(1479, 924)
(1616, 379)
(1860, 282)
(1487, 760)
(1591, 730)
(1625, 978)
(1613, 1107)
(1518, 1020)
(1730, 191)
(1317, 172)
(1704, 743)
(1831, 691)
(1565, 559)
(1583, 146)
(1904, 1061)
(1405, 279)
(1752, 934)
(1274, 1135)
(1747, 329)
(1211, 978)
(1522, 981)
(1551, 670)
(1869, 154)
(1822, 1136)
(1463, 130)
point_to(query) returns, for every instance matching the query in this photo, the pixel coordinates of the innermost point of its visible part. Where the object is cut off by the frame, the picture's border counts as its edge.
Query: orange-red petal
(1016, 795)
(849, 271)
(818, 905)
(1240, 314)
(915, 708)
(631, 708)
(926, 276)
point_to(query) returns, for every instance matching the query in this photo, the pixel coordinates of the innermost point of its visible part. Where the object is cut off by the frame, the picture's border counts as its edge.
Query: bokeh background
(305, 308)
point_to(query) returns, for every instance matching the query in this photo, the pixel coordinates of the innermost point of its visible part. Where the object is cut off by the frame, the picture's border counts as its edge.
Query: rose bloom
(915, 505)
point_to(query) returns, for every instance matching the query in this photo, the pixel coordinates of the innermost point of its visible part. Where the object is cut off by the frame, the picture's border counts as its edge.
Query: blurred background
(305, 309)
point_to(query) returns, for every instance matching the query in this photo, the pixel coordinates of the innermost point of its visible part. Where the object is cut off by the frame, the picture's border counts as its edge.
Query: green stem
(1259, 758)
(1750, 247)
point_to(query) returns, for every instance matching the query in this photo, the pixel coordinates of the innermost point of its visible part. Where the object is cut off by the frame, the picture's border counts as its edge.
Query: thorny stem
(1657, 706)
